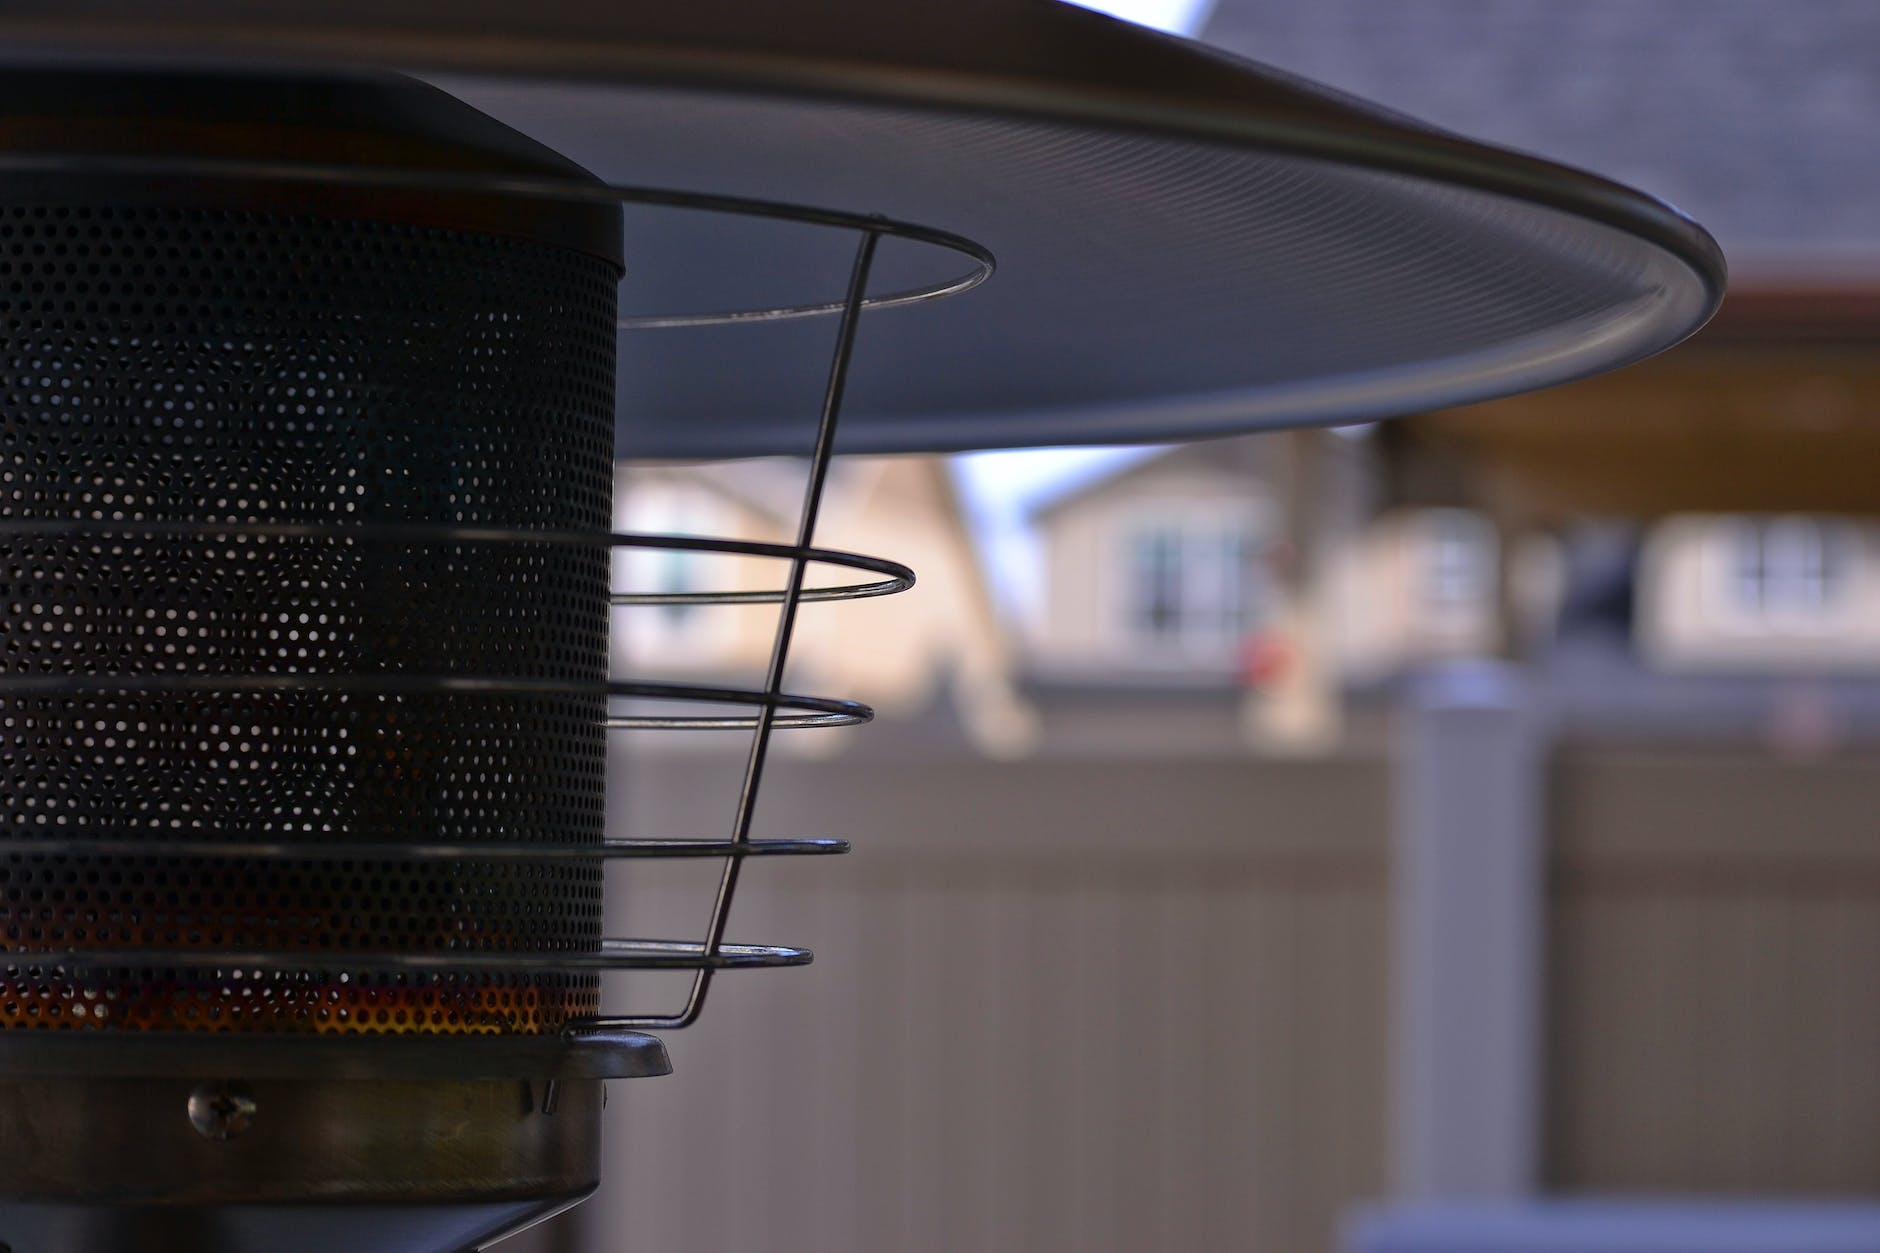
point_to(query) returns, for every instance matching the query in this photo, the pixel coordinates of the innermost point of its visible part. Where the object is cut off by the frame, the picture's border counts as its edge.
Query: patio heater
(315, 358)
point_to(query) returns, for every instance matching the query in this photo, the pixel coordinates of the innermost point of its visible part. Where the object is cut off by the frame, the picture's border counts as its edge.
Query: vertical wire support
(853, 304)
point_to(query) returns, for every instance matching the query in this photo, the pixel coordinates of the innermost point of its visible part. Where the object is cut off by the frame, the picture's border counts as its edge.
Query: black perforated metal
(210, 365)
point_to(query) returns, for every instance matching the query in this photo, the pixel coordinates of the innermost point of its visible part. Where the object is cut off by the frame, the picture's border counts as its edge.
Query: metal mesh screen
(221, 366)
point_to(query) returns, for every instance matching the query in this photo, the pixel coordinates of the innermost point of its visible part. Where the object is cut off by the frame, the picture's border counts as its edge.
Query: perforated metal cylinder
(213, 352)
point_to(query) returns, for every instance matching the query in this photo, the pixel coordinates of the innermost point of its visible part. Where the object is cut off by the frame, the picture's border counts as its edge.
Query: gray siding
(1054, 1008)
(1109, 1004)
(1716, 992)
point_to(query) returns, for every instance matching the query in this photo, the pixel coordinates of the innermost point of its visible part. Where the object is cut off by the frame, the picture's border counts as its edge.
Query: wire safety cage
(761, 710)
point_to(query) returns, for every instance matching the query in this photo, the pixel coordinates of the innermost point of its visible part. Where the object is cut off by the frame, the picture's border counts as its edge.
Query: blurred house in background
(742, 500)
(1781, 594)
(1177, 593)
(1128, 840)
(1438, 822)
(1688, 543)
(1239, 590)
(1421, 587)
(937, 657)
(1690, 1006)
(1162, 571)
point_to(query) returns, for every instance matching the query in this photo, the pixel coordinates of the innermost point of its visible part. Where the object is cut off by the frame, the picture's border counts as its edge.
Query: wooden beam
(1712, 426)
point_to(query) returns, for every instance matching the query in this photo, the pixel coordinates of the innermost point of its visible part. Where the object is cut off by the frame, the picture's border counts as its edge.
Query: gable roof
(769, 487)
(1241, 459)
(1758, 117)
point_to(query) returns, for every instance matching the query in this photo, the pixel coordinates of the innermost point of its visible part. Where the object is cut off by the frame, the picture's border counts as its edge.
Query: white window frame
(1831, 545)
(663, 636)
(1198, 521)
(1462, 530)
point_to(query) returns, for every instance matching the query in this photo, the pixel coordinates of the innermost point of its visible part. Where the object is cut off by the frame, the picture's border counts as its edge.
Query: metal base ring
(176, 1055)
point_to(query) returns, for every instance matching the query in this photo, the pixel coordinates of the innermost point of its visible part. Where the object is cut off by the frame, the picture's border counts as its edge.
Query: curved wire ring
(808, 711)
(566, 191)
(896, 578)
(609, 954)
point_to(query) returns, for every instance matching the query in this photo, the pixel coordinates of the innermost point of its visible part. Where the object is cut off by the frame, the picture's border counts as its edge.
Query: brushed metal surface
(131, 1142)
(1189, 243)
(267, 1228)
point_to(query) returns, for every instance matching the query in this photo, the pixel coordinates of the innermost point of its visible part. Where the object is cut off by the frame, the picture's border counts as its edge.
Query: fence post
(1469, 801)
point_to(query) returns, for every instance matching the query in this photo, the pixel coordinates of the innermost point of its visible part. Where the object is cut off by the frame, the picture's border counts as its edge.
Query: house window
(1459, 560)
(1788, 571)
(674, 634)
(676, 574)
(670, 510)
(1188, 587)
